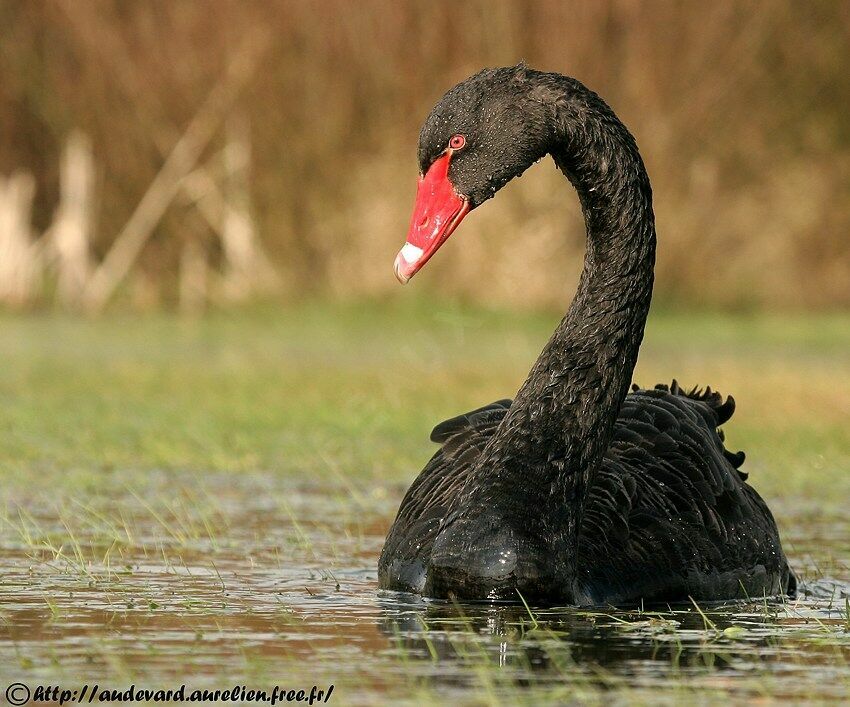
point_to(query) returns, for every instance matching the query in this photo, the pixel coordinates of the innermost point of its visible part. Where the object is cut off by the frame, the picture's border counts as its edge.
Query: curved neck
(552, 440)
(574, 391)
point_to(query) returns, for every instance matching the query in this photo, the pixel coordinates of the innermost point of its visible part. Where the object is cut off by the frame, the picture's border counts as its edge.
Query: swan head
(481, 134)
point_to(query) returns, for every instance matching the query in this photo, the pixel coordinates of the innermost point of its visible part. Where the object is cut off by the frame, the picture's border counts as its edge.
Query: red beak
(437, 212)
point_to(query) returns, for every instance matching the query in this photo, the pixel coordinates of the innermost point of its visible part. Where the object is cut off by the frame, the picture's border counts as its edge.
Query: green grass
(354, 390)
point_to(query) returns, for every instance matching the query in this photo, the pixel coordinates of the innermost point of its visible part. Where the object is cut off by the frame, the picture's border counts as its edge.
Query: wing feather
(668, 502)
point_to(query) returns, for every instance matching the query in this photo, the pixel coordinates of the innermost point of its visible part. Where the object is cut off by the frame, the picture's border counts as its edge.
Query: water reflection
(605, 638)
(606, 647)
(262, 576)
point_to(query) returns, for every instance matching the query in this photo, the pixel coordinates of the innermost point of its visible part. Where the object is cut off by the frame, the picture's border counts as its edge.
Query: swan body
(576, 491)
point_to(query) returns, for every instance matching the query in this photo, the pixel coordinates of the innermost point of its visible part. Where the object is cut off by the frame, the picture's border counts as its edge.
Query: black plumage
(576, 491)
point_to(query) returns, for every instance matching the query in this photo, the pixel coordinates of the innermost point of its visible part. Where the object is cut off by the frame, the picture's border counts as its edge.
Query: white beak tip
(411, 253)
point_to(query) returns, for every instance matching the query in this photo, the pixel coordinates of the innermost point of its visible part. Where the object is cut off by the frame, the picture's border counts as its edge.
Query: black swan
(577, 491)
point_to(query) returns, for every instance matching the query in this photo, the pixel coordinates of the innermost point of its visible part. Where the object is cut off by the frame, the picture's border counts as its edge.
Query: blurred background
(182, 154)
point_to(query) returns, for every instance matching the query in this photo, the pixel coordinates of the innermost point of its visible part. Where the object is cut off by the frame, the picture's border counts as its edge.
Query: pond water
(213, 581)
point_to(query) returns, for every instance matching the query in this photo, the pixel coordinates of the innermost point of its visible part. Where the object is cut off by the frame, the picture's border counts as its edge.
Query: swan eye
(457, 142)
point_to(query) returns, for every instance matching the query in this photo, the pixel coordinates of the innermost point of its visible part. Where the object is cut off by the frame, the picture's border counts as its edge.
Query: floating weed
(39, 542)
(100, 525)
(301, 536)
(734, 632)
(707, 622)
(429, 644)
(55, 611)
(173, 532)
(220, 578)
(76, 548)
(534, 624)
(26, 528)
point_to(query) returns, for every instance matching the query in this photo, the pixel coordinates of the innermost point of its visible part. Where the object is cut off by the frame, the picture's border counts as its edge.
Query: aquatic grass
(707, 622)
(534, 624)
(39, 542)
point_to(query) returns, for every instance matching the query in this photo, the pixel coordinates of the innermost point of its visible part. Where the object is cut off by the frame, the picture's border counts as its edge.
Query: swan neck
(535, 472)
(581, 377)
(592, 354)
(561, 423)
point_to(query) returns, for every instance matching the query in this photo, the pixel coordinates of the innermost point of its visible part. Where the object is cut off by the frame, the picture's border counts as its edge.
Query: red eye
(457, 142)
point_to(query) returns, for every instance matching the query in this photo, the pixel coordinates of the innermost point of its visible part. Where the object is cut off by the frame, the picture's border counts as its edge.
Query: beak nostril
(424, 221)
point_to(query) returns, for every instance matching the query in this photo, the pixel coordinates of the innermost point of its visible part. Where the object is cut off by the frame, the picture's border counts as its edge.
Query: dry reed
(739, 108)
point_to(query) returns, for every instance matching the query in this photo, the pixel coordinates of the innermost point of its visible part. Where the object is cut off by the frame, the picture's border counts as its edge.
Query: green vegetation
(354, 390)
(202, 502)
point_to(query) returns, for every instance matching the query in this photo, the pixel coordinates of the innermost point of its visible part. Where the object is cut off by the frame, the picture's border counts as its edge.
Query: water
(219, 580)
